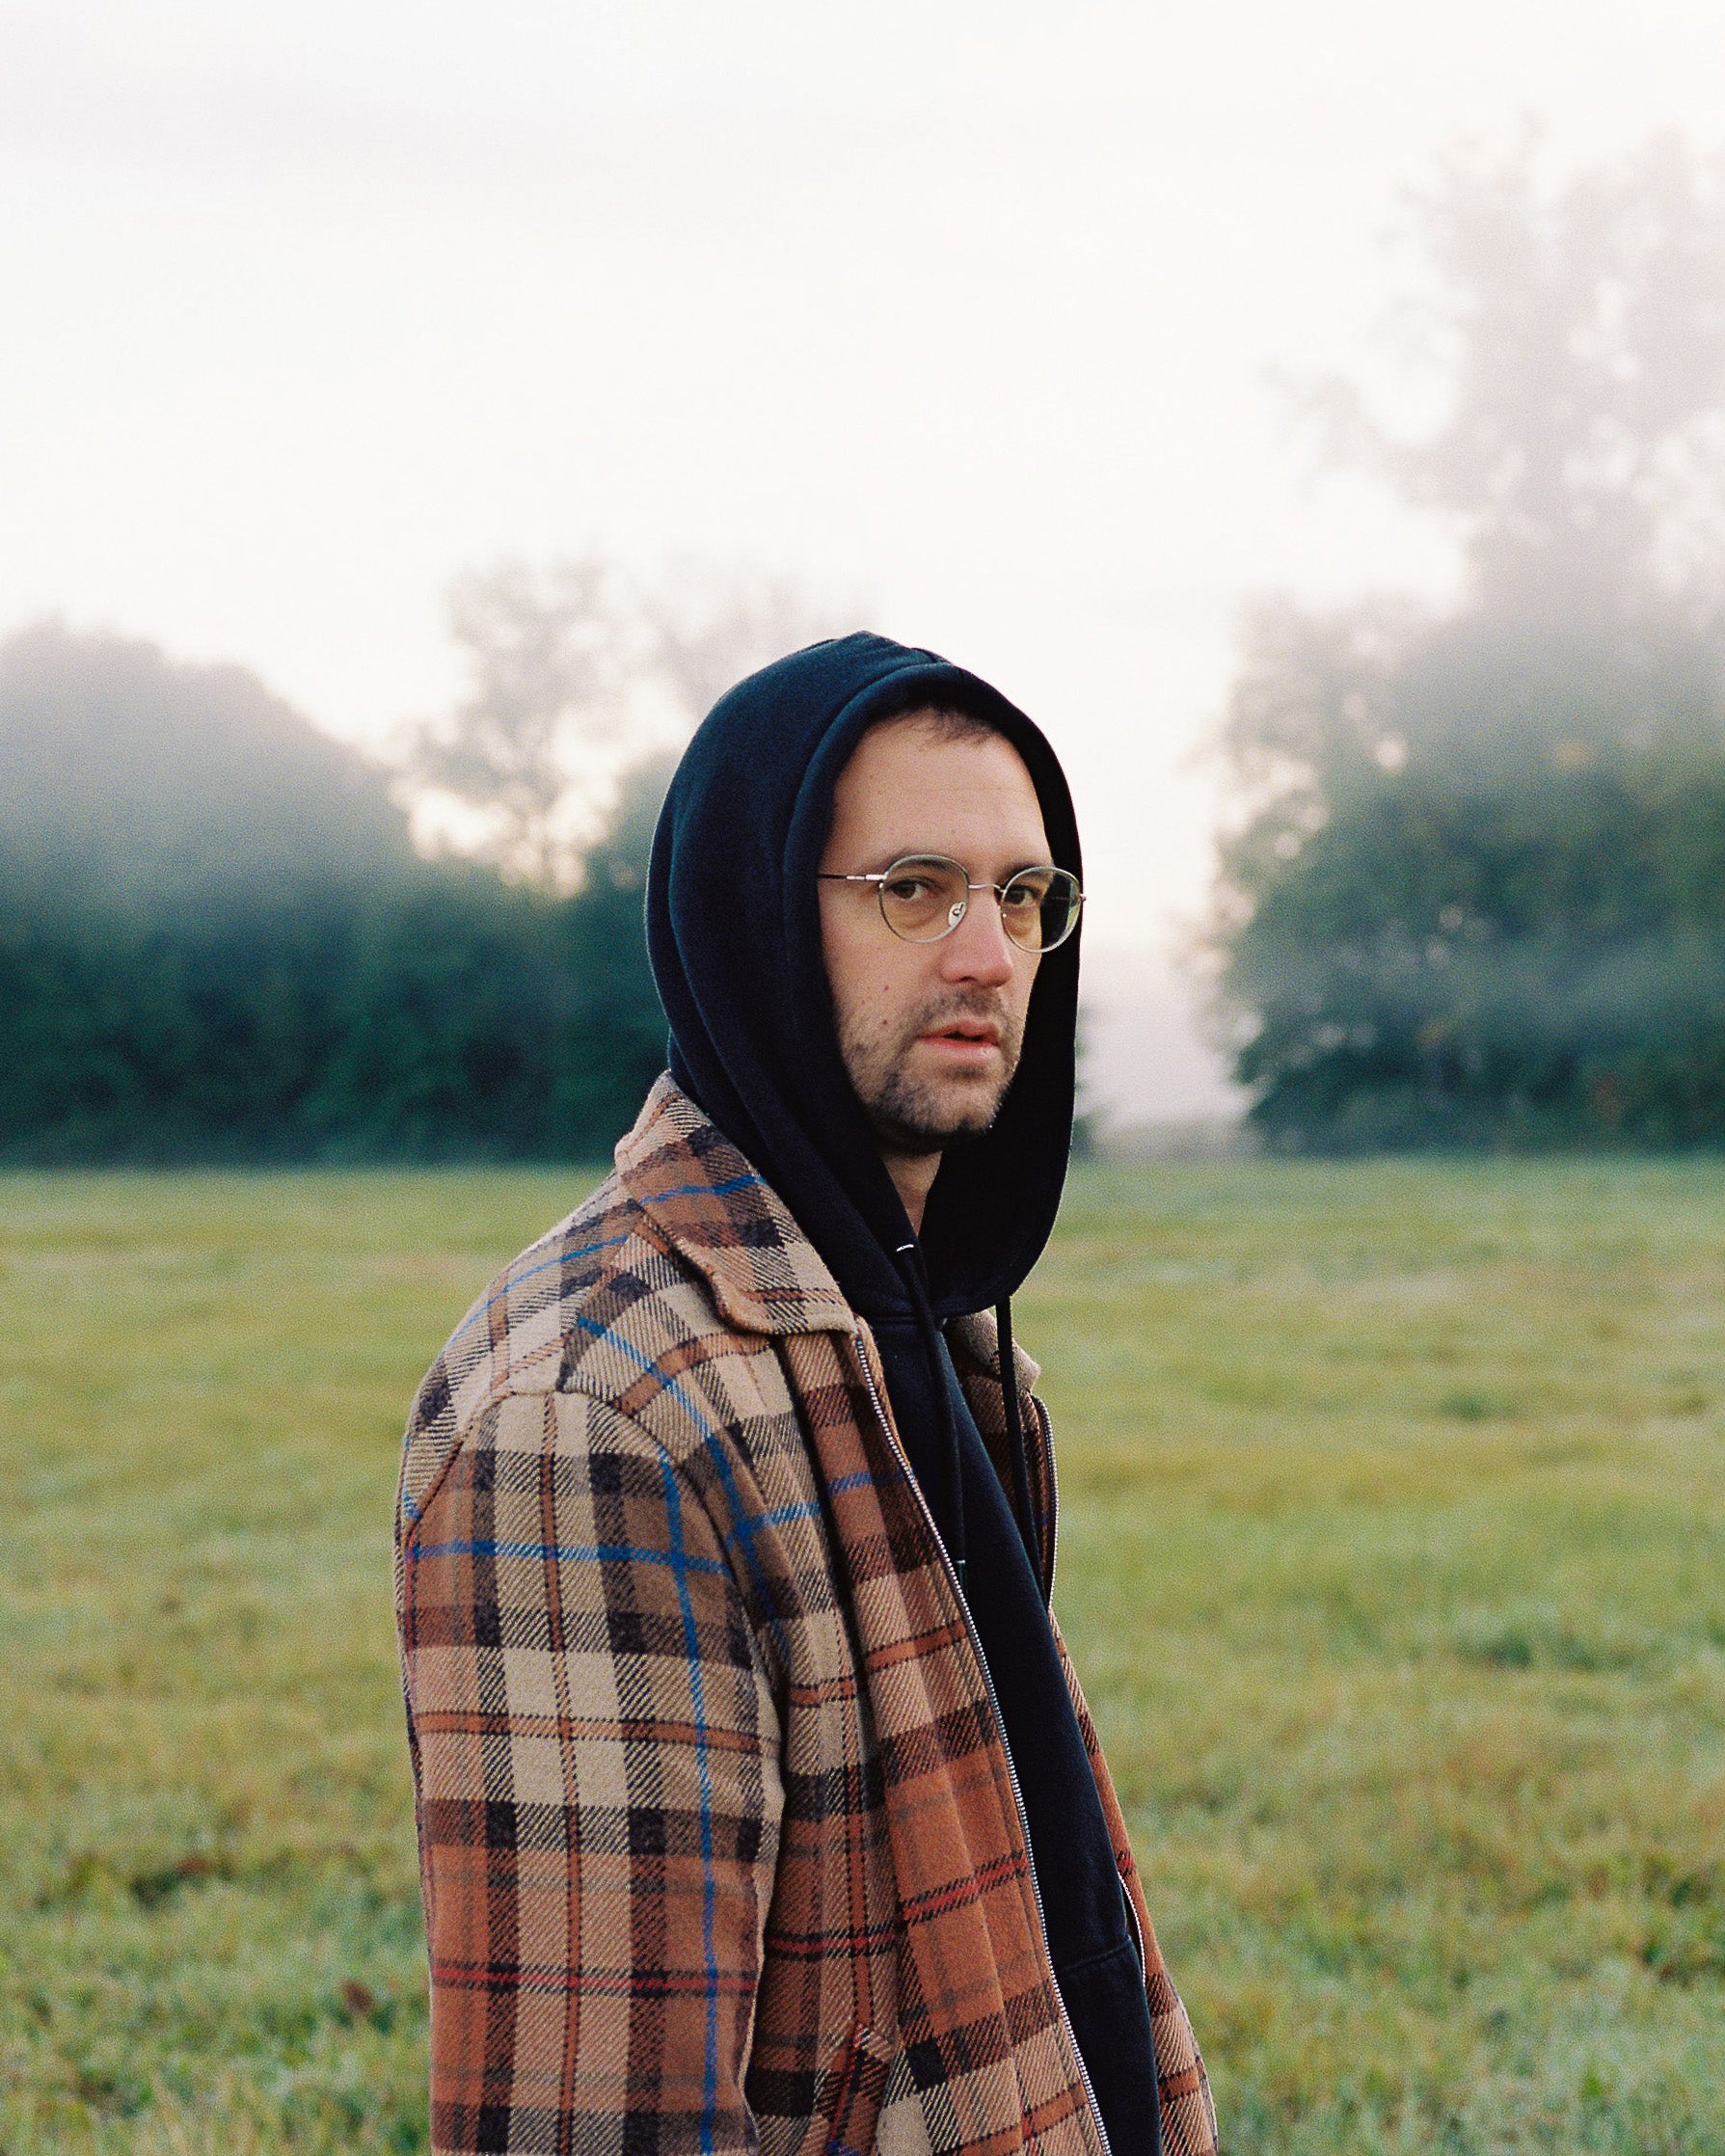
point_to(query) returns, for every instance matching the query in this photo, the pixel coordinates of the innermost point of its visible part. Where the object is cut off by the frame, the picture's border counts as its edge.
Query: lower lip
(966, 1055)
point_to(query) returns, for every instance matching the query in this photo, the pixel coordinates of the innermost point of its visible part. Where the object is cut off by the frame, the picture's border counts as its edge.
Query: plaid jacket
(718, 1839)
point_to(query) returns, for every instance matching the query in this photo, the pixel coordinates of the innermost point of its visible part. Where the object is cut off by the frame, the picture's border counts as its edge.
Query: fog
(973, 311)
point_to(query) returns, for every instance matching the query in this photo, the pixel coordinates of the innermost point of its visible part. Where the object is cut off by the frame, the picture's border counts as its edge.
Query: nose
(979, 947)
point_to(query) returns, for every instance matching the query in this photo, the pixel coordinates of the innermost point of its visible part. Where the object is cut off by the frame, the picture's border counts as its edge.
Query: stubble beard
(916, 1116)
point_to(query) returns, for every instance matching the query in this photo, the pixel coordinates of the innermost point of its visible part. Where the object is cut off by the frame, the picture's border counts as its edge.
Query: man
(758, 1806)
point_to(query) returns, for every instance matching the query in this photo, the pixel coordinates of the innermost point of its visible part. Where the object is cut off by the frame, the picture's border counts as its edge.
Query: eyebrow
(935, 853)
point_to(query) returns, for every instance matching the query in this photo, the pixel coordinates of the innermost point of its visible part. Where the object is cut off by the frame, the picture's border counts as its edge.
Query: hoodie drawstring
(1015, 1445)
(911, 1266)
(909, 1259)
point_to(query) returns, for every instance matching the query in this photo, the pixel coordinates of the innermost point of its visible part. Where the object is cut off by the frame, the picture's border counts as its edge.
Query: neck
(913, 1178)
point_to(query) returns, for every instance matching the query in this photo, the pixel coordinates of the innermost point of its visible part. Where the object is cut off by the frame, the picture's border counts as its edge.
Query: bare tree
(547, 655)
(1579, 329)
(581, 669)
(715, 622)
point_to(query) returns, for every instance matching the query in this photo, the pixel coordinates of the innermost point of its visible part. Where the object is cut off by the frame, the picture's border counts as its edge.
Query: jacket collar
(717, 1212)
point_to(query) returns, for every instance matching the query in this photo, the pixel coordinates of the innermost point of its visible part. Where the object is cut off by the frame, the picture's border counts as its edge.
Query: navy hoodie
(734, 931)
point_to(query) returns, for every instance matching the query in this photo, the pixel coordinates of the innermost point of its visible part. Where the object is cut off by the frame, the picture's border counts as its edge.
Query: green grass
(1393, 1548)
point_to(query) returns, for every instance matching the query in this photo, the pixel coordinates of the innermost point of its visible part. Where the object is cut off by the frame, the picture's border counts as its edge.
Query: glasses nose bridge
(1000, 905)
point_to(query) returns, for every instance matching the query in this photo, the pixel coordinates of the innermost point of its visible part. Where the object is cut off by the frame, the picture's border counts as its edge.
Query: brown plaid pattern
(718, 1845)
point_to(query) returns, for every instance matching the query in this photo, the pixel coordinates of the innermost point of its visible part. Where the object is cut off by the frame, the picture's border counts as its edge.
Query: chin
(923, 1123)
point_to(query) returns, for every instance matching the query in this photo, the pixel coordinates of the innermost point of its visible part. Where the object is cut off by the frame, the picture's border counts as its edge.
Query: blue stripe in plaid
(704, 1769)
(715, 1450)
(748, 1526)
(781, 1517)
(750, 1181)
(513, 1278)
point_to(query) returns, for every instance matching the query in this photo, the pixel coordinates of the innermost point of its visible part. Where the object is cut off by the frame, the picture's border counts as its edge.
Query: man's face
(929, 1032)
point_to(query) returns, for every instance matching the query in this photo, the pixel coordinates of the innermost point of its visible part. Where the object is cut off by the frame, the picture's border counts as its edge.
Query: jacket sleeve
(596, 1756)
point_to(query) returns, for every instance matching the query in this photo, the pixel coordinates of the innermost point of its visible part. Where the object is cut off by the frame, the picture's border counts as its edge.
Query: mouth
(964, 1040)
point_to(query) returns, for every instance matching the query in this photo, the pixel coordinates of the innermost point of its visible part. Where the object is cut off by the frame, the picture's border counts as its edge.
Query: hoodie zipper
(898, 1453)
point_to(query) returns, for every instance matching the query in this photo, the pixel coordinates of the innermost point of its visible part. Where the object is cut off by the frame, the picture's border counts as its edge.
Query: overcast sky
(970, 308)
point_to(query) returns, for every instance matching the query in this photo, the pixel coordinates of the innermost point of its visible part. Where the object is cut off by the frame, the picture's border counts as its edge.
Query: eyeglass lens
(926, 897)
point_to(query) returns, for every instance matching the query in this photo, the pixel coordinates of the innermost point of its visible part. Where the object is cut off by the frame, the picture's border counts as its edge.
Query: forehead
(912, 786)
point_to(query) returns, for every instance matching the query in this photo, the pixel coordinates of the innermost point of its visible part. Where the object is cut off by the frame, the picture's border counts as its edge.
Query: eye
(1027, 891)
(908, 889)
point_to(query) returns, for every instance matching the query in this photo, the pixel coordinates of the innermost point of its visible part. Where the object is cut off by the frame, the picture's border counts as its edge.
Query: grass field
(1393, 1548)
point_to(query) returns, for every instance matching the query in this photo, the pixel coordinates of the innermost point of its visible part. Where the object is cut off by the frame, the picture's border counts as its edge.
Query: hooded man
(758, 1804)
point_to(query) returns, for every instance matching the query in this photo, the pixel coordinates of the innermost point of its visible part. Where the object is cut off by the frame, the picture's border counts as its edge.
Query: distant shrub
(217, 943)
(1492, 911)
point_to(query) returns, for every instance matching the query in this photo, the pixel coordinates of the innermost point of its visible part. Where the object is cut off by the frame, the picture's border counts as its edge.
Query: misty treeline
(1478, 896)
(219, 940)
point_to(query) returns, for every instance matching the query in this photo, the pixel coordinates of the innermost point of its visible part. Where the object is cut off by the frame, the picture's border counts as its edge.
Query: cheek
(879, 997)
(853, 969)
(875, 983)
(1024, 980)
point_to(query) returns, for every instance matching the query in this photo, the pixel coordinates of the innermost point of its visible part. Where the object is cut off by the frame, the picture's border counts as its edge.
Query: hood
(734, 933)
